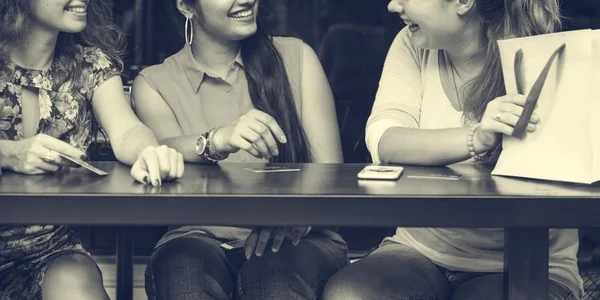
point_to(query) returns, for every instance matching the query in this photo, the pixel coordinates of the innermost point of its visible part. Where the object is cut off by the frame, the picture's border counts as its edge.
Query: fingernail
(156, 182)
(282, 139)
(276, 153)
(535, 117)
(146, 180)
(297, 238)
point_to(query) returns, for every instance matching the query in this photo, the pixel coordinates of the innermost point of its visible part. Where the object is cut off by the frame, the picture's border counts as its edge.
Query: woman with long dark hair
(59, 67)
(441, 101)
(236, 94)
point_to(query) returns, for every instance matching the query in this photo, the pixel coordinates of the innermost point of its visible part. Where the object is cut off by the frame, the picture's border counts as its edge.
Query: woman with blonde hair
(441, 100)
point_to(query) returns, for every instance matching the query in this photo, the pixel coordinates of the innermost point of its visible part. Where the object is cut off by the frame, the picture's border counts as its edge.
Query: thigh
(24, 280)
(73, 276)
(190, 266)
(295, 272)
(492, 287)
(392, 272)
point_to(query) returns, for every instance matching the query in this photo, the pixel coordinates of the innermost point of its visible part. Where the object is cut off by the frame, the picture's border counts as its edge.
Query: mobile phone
(380, 173)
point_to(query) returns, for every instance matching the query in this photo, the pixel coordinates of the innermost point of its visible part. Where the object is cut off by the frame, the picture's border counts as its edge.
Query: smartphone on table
(380, 172)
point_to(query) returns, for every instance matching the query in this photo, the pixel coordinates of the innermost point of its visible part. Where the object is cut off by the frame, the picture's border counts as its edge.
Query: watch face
(201, 145)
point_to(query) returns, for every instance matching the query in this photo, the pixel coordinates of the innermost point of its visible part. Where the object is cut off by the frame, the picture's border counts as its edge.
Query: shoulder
(403, 43)
(171, 66)
(294, 49)
(287, 42)
(94, 57)
(403, 48)
(289, 47)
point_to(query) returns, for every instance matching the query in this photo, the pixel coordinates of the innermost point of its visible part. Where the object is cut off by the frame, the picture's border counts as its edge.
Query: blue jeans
(401, 273)
(198, 268)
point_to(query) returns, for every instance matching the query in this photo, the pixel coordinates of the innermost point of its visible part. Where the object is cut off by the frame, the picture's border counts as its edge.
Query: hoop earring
(190, 38)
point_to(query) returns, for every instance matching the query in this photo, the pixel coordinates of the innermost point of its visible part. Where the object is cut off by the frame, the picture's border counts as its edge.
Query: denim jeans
(198, 268)
(401, 273)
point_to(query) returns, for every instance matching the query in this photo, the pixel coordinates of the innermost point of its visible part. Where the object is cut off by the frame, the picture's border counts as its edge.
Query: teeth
(242, 14)
(77, 9)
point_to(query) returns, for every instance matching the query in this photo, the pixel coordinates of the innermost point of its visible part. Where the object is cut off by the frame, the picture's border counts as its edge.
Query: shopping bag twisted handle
(535, 92)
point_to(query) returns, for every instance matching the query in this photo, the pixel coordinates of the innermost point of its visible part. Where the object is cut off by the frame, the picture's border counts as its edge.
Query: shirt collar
(195, 71)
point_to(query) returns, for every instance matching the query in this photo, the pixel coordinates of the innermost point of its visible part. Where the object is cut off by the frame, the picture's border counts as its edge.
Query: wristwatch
(206, 148)
(201, 144)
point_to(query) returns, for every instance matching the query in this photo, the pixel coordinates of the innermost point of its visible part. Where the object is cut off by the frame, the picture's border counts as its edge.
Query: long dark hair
(500, 19)
(269, 88)
(99, 32)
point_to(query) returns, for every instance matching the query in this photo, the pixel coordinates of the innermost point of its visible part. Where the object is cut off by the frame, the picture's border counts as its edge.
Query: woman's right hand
(38, 155)
(500, 117)
(256, 132)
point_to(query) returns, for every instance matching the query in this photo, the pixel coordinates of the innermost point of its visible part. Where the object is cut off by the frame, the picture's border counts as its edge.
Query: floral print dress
(26, 251)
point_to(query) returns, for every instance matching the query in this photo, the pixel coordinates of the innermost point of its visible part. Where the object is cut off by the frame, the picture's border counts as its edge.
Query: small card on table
(272, 169)
(83, 164)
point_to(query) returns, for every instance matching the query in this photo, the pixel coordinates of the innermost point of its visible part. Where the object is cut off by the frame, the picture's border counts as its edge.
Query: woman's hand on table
(38, 155)
(157, 164)
(260, 237)
(500, 117)
(256, 132)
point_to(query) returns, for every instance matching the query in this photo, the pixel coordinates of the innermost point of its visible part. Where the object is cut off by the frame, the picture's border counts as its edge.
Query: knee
(275, 277)
(188, 266)
(345, 286)
(183, 252)
(183, 261)
(76, 273)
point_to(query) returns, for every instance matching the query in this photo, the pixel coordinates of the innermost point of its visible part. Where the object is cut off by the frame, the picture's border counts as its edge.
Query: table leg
(124, 263)
(526, 264)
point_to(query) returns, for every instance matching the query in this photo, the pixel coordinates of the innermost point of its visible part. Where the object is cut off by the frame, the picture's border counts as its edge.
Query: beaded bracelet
(474, 156)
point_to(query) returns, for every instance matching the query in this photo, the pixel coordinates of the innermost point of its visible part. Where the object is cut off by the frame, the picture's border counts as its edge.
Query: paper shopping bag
(562, 72)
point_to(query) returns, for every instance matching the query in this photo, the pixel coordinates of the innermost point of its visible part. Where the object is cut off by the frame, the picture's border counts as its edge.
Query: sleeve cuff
(374, 134)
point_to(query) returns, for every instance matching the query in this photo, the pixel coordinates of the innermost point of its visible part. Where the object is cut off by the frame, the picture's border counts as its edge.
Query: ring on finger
(48, 156)
(499, 115)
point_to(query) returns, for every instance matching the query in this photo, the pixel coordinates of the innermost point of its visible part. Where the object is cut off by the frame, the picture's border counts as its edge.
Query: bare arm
(393, 133)
(153, 111)
(318, 111)
(438, 147)
(128, 136)
(133, 143)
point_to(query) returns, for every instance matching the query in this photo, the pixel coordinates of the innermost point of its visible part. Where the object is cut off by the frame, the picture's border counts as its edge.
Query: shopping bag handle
(536, 90)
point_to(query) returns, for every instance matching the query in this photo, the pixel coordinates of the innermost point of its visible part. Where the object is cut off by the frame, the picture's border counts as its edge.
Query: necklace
(455, 87)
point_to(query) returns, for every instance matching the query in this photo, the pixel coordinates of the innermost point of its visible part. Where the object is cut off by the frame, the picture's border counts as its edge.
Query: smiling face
(60, 15)
(434, 24)
(225, 19)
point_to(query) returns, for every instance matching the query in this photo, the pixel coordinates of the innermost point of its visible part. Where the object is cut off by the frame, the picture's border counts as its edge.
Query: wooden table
(319, 195)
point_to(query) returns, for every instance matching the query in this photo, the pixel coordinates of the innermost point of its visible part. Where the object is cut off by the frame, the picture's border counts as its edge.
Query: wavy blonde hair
(499, 19)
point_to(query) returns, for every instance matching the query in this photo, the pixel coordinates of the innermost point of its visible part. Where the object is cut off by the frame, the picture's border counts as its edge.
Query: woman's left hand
(260, 237)
(157, 164)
